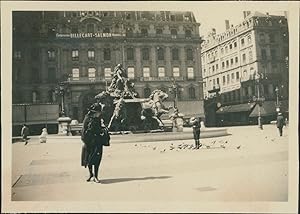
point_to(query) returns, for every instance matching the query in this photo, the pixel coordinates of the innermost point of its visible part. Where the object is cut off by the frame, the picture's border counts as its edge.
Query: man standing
(280, 122)
(25, 133)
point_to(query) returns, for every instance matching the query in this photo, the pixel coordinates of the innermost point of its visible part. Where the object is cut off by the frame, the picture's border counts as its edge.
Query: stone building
(79, 49)
(246, 62)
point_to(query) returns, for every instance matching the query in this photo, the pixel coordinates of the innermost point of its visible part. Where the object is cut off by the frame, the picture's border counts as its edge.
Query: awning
(268, 108)
(245, 107)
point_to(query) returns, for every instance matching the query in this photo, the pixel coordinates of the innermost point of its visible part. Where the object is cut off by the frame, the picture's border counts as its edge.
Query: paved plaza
(244, 166)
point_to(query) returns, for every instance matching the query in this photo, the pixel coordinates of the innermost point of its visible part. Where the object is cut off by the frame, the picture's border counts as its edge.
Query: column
(168, 62)
(153, 69)
(138, 68)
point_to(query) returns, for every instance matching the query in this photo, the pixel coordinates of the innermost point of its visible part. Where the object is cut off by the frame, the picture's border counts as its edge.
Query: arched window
(174, 33)
(188, 34)
(192, 94)
(147, 92)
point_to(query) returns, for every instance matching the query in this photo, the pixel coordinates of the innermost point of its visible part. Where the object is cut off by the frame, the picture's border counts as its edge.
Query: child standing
(196, 131)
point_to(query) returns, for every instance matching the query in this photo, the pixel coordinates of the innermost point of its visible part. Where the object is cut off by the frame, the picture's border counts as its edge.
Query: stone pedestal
(64, 125)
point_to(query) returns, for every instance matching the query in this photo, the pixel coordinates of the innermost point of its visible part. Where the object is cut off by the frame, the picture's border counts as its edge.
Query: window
(147, 92)
(51, 75)
(174, 33)
(217, 67)
(90, 28)
(218, 81)
(17, 54)
(35, 75)
(226, 49)
(230, 46)
(130, 54)
(188, 34)
(129, 32)
(161, 72)
(145, 53)
(227, 63)
(231, 61)
(263, 54)
(130, 72)
(235, 45)
(213, 69)
(249, 39)
(75, 73)
(176, 72)
(189, 54)
(242, 42)
(192, 94)
(173, 18)
(91, 54)
(175, 55)
(144, 32)
(250, 56)
(274, 68)
(35, 96)
(51, 55)
(75, 55)
(106, 30)
(228, 78)
(146, 72)
(245, 74)
(107, 55)
(190, 73)
(262, 38)
(237, 75)
(273, 54)
(160, 53)
(91, 73)
(236, 59)
(222, 50)
(159, 31)
(224, 80)
(244, 58)
(223, 64)
(232, 77)
(107, 73)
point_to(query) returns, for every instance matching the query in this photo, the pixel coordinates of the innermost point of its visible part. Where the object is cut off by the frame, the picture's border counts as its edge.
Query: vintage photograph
(151, 107)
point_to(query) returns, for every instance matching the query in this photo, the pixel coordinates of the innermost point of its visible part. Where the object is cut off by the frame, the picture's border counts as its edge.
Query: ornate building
(79, 49)
(246, 64)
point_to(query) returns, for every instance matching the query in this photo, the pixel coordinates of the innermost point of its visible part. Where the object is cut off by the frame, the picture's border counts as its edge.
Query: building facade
(246, 64)
(79, 49)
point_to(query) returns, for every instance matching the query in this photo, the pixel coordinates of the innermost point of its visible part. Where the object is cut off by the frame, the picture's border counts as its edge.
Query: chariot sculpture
(123, 110)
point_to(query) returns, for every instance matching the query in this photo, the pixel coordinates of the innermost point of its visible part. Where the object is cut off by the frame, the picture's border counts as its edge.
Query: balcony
(85, 80)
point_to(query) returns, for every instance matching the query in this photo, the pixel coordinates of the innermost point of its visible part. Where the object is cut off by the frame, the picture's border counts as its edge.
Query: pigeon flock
(186, 146)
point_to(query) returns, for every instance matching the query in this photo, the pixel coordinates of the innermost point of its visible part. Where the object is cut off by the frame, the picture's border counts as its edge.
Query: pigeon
(226, 141)
(207, 146)
(238, 147)
(223, 146)
(154, 148)
(163, 151)
(135, 145)
(213, 142)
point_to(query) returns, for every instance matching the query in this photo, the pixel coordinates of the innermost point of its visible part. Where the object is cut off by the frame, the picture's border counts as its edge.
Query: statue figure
(120, 85)
(156, 106)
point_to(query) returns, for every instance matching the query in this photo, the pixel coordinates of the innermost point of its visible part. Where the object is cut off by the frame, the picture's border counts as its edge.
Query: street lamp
(259, 100)
(175, 90)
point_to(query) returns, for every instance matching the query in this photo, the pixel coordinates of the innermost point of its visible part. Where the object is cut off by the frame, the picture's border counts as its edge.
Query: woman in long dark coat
(91, 135)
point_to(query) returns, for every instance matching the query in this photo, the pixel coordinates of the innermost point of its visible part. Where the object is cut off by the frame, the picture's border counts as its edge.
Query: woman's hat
(96, 107)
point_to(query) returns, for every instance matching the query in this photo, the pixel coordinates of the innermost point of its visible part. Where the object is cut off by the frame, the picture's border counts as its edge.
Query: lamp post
(259, 100)
(277, 99)
(175, 89)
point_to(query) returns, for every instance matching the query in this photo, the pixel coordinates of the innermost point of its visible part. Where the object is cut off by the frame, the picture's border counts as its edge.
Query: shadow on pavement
(117, 180)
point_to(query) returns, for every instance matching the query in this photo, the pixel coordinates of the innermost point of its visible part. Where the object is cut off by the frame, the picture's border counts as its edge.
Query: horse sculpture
(154, 109)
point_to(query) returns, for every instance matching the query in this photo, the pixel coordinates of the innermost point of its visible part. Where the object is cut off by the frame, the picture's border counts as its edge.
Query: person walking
(280, 123)
(196, 131)
(94, 135)
(25, 133)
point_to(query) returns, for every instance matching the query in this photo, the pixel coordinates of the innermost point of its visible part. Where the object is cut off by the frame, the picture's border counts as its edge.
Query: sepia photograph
(149, 106)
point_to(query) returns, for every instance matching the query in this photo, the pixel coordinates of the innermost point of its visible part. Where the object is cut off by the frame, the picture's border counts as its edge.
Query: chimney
(227, 26)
